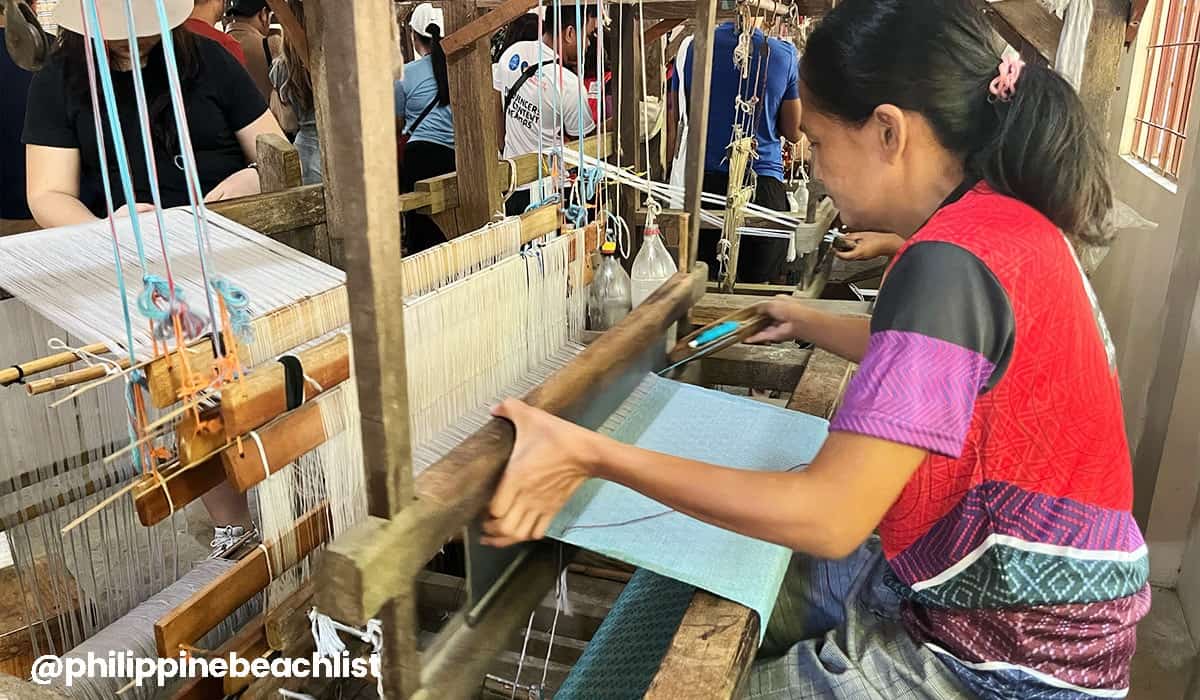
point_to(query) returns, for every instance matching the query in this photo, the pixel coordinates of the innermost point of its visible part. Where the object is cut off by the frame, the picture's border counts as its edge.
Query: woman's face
(120, 55)
(856, 172)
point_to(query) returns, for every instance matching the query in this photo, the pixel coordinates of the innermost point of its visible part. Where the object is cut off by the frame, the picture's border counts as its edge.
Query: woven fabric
(838, 627)
(626, 650)
(710, 426)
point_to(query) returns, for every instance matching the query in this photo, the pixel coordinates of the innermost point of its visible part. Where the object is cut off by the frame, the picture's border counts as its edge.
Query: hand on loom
(550, 460)
(240, 184)
(792, 319)
(869, 245)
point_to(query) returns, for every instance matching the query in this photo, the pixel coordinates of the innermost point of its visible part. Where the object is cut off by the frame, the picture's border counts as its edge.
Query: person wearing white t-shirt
(538, 91)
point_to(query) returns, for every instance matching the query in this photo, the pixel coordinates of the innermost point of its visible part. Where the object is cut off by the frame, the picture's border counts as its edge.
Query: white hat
(424, 15)
(113, 24)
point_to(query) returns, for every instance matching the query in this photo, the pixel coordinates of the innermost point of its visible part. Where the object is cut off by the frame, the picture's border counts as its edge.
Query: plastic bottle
(609, 297)
(652, 266)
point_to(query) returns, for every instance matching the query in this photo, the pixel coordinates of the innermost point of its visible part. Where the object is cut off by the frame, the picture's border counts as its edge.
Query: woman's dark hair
(433, 43)
(163, 133)
(938, 58)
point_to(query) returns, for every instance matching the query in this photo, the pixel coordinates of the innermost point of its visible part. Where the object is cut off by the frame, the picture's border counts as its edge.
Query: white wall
(1147, 278)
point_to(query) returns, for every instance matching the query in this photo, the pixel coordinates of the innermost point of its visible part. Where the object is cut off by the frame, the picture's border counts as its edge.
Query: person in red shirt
(203, 21)
(982, 436)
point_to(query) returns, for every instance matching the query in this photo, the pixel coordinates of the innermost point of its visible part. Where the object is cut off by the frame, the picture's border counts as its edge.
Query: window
(1172, 50)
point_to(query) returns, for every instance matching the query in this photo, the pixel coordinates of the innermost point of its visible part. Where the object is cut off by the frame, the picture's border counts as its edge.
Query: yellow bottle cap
(609, 248)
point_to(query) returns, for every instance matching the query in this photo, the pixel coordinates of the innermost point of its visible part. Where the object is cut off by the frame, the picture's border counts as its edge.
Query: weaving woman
(224, 109)
(982, 437)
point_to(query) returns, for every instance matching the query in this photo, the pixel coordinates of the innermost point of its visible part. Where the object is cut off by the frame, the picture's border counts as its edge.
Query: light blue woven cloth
(714, 427)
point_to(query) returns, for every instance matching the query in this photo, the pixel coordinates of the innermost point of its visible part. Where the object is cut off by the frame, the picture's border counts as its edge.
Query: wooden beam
(278, 163)
(1102, 60)
(249, 643)
(273, 213)
(353, 85)
(773, 367)
(713, 306)
(473, 101)
(441, 193)
(1137, 11)
(353, 90)
(218, 600)
(662, 28)
(1027, 25)
(261, 396)
(698, 89)
(821, 386)
(283, 442)
(483, 27)
(184, 484)
(712, 649)
(628, 79)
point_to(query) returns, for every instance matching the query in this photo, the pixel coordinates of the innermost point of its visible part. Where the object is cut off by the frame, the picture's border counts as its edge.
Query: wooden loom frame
(361, 219)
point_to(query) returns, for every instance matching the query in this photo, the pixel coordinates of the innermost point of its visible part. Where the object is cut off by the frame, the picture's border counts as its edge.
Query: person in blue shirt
(775, 66)
(423, 113)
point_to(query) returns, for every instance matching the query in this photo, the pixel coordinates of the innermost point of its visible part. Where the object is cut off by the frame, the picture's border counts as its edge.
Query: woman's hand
(789, 319)
(139, 207)
(550, 460)
(869, 245)
(240, 184)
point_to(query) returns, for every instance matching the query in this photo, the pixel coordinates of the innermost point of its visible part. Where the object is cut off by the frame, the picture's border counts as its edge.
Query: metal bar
(1160, 127)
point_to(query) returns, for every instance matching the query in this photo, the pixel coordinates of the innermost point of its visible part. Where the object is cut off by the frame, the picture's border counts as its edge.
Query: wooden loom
(727, 653)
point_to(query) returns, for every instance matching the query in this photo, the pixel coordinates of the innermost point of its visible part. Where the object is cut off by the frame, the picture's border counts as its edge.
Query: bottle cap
(609, 248)
(651, 230)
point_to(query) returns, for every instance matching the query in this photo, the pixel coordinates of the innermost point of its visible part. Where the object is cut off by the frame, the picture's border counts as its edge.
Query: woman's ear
(892, 131)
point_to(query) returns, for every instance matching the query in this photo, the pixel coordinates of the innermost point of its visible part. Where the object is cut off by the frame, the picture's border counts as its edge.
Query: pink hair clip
(1005, 85)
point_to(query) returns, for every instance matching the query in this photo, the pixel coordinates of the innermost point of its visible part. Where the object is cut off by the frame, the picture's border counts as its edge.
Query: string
(190, 169)
(90, 52)
(139, 90)
(652, 516)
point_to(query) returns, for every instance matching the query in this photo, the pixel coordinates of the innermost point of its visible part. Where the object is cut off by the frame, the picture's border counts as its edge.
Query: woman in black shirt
(225, 114)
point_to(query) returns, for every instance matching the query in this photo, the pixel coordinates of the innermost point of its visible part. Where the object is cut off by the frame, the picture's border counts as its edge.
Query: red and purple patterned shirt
(1013, 544)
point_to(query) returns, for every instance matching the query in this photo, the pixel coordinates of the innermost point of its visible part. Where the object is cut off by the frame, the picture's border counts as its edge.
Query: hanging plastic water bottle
(652, 266)
(609, 297)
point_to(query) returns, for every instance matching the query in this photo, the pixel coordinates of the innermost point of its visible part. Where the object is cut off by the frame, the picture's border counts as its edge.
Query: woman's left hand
(240, 184)
(550, 460)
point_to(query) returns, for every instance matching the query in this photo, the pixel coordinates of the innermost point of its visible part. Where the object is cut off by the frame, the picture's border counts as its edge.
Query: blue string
(590, 179)
(237, 304)
(579, 64)
(158, 288)
(106, 180)
(552, 199)
(114, 127)
(190, 172)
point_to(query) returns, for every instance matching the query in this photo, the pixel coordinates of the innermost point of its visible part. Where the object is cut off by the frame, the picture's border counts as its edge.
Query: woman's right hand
(869, 245)
(789, 319)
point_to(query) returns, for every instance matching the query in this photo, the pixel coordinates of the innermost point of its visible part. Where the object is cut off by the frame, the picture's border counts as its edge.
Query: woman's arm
(245, 182)
(52, 186)
(844, 336)
(826, 510)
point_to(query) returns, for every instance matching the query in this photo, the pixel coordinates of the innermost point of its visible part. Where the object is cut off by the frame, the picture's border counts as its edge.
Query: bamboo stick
(70, 379)
(14, 374)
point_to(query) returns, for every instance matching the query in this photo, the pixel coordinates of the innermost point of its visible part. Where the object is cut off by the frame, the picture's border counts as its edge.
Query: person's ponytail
(1046, 152)
(440, 74)
(938, 58)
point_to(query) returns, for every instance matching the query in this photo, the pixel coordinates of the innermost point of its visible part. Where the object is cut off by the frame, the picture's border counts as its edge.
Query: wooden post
(473, 102)
(629, 99)
(278, 163)
(698, 91)
(352, 81)
(1102, 59)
